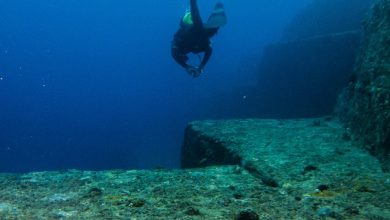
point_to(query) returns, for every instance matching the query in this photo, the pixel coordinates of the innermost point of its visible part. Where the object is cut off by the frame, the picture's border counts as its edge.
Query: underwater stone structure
(313, 164)
(322, 17)
(365, 104)
(287, 169)
(306, 71)
(308, 75)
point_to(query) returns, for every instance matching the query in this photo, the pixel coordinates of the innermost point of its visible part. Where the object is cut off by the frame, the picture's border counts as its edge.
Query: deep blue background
(91, 84)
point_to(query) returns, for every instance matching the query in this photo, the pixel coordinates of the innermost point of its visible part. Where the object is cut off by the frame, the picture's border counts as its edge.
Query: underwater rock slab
(277, 150)
(212, 193)
(297, 156)
(318, 171)
(223, 192)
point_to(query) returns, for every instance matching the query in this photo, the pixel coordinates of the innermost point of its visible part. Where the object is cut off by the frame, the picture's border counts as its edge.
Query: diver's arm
(206, 57)
(179, 56)
(180, 61)
(195, 13)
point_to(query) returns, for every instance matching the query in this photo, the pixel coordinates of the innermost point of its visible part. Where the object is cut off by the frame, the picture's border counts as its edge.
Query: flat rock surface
(212, 193)
(318, 171)
(298, 156)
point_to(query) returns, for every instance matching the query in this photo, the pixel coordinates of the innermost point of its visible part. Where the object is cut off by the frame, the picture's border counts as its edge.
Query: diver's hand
(200, 69)
(191, 70)
(194, 71)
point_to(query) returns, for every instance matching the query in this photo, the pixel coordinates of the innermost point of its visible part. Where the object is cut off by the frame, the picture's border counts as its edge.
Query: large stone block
(275, 150)
(307, 160)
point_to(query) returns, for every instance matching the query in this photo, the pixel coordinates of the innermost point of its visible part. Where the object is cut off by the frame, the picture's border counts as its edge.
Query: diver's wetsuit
(193, 38)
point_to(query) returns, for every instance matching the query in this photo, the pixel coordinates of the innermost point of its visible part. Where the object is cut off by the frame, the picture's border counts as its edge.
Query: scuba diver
(194, 36)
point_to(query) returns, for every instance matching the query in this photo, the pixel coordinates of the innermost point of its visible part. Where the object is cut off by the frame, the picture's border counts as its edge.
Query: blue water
(92, 85)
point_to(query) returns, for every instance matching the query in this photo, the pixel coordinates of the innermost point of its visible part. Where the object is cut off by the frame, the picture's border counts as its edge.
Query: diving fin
(217, 18)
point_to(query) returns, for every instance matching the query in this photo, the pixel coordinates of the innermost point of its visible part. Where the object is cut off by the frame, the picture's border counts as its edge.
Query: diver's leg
(195, 13)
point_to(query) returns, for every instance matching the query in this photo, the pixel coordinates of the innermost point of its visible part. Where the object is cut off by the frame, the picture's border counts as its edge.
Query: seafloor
(279, 169)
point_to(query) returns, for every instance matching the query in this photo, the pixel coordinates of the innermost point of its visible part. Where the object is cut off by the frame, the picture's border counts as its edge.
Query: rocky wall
(365, 104)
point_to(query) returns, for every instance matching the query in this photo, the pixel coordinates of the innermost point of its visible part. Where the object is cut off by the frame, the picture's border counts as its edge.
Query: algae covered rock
(365, 104)
(307, 164)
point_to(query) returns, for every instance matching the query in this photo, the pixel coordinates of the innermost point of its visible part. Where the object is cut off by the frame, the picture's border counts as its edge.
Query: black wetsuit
(193, 38)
